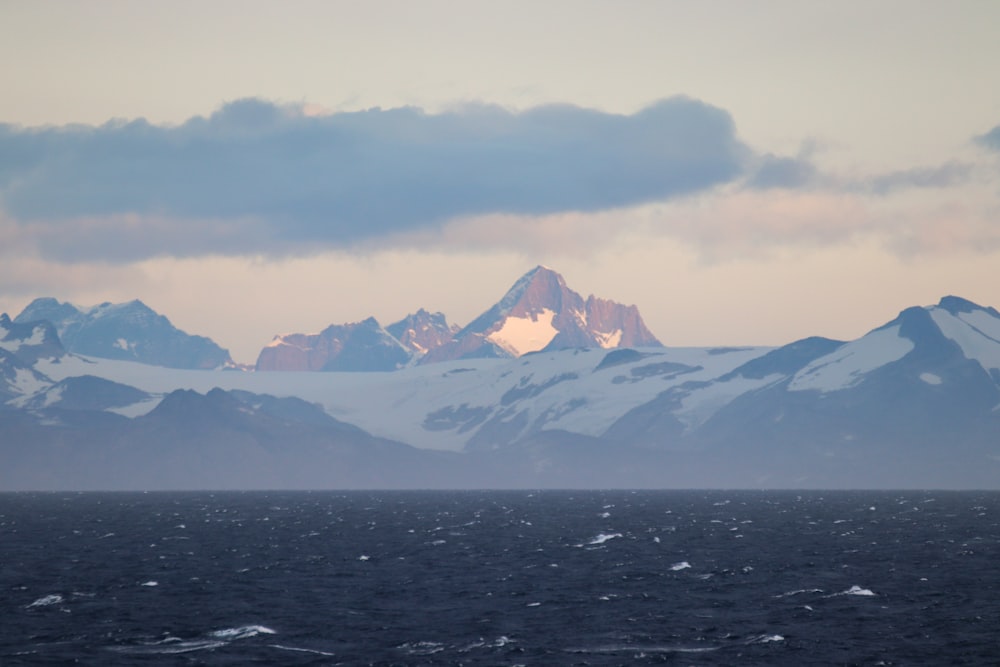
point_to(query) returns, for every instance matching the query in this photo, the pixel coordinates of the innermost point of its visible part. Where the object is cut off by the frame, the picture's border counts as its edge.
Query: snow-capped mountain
(130, 331)
(541, 313)
(917, 398)
(913, 403)
(359, 346)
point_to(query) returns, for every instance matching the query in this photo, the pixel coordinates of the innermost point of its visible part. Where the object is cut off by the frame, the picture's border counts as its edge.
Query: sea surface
(500, 578)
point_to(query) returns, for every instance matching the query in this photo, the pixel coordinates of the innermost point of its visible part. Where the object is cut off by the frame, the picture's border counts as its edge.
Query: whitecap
(242, 632)
(625, 648)
(170, 646)
(683, 565)
(45, 601)
(601, 538)
(301, 650)
(766, 639)
(855, 590)
(422, 648)
(799, 592)
(150, 583)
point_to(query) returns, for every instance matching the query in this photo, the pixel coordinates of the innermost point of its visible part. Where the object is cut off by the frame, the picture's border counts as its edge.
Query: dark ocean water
(500, 578)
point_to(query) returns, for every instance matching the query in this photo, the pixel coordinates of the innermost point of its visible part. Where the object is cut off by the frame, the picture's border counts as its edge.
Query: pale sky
(744, 172)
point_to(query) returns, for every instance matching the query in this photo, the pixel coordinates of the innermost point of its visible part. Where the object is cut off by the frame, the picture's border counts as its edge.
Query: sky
(744, 173)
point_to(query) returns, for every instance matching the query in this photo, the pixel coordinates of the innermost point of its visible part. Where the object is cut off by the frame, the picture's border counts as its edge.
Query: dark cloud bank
(262, 178)
(259, 177)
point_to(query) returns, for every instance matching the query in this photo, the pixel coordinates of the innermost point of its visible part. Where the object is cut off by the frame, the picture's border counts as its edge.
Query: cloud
(941, 176)
(256, 177)
(737, 224)
(774, 172)
(782, 172)
(990, 140)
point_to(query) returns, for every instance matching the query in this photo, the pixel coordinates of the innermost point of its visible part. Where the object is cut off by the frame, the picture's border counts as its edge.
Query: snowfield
(564, 388)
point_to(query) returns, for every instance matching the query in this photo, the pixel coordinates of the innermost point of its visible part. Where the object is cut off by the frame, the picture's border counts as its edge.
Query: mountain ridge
(913, 403)
(130, 330)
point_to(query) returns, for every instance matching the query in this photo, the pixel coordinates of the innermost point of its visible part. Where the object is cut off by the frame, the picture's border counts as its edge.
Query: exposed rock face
(541, 313)
(29, 340)
(128, 331)
(422, 331)
(359, 346)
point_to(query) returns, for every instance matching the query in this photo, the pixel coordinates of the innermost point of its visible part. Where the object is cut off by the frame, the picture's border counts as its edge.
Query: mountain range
(544, 389)
(538, 313)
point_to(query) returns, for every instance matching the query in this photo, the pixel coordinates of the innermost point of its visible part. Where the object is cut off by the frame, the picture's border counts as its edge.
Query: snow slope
(848, 365)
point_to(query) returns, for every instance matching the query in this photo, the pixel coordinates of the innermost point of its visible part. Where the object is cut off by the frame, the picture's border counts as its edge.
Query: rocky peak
(540, 312)
(357, 346)
(422, 331)
(536, 291)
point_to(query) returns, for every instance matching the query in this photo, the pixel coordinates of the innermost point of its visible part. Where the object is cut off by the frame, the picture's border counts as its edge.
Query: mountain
(422, 331)
(538, 312)
(917, 398)
(541, 313)
(218, 440)
(22, 345)
(360, 346)
(127, 331)
(914, 403)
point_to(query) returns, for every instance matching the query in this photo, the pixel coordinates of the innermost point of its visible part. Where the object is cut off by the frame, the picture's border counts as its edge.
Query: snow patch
(609, 340)
(27, 382)
(37, 337)
(136, 409)
(930, 378)
(53, 396)
(520, 335)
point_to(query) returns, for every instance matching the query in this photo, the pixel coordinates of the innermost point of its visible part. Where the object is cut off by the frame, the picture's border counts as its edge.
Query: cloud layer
(260, 178)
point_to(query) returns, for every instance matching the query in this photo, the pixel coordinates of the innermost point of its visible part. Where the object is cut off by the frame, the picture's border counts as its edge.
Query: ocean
(500, 578)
